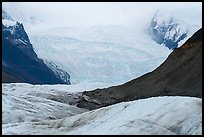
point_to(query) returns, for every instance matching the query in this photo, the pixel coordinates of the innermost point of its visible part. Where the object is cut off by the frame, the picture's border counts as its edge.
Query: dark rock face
(167, 33)
(179, 75)
(63, 75)
(19, 61)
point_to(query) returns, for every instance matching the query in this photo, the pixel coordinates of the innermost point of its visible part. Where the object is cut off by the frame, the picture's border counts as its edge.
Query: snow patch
(8, 23)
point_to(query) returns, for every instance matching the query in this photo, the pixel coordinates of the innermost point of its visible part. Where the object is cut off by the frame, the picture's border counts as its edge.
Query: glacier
(113, 53)
(100, 61)
(25, 111)
(109, 53)
(98, 56)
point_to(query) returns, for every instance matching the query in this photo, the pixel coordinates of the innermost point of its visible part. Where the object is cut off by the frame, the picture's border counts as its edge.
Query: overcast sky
(93, 13)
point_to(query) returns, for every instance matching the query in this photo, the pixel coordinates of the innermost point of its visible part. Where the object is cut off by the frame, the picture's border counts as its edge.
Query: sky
(92, 13)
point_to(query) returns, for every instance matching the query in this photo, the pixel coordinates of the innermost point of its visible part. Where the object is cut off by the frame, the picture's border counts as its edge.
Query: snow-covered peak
(14, 29)
(8, 23)
(7, 20)
(165, 30)
(173, 27)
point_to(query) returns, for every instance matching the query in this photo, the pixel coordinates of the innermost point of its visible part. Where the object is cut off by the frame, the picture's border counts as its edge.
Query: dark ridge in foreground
(179, 75)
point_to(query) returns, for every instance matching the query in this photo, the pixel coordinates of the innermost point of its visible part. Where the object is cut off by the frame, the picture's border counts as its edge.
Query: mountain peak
(5, 15)
(166, 30)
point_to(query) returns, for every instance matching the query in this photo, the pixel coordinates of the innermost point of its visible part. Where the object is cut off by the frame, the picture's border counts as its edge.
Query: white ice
(26, 113)
(8, 23)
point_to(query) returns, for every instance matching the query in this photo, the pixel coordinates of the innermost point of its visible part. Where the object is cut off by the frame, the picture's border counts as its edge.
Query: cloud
(92, 13)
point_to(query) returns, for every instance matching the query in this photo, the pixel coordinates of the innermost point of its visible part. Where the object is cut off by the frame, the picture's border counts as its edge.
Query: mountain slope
(19, 61)
(9, 76)
(179, 75)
